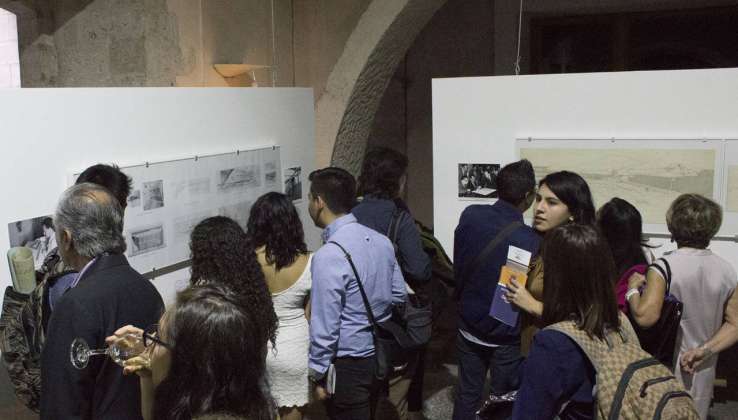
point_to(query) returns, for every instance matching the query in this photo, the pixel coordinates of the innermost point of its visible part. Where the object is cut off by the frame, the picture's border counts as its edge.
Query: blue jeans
(475, 360)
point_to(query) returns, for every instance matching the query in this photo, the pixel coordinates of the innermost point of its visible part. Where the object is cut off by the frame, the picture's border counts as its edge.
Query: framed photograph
(478, 180)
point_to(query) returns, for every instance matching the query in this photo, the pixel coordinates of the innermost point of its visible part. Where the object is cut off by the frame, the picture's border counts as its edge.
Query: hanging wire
(274, 49)
(520, 28)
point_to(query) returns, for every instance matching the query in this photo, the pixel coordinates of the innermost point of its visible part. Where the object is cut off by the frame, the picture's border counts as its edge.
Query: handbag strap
(394, 226)
(665, 274)
(369, 312)
(474, 265)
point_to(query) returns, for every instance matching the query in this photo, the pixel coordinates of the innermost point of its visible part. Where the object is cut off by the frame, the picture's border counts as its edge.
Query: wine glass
(126, 347)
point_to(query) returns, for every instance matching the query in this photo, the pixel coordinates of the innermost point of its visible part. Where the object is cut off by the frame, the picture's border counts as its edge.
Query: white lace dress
(287, 367)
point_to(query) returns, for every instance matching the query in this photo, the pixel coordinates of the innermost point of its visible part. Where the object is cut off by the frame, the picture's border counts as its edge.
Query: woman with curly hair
(284, 259)
(221, 254)
(202, 360)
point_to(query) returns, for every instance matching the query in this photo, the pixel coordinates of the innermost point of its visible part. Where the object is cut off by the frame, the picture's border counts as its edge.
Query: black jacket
(478, 226)
(109, 295)
(377, 213)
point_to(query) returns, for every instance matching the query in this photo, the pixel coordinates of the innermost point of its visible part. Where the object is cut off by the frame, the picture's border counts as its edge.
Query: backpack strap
(394, 226)
(474, 265)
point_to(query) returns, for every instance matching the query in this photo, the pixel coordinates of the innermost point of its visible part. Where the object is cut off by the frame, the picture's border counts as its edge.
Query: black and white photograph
(293, 183)
(146, 240)
(134, 200)
(478, 180)
(239, 179)
(37, 234)
(152, 195)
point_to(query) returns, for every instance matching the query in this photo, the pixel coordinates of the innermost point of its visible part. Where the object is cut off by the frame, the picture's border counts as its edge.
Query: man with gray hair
(107, 295)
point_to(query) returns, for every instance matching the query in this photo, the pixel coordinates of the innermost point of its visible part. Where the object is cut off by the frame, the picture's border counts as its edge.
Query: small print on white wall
(37, 234)
(478, 180)
(153, 195)
(293, 183)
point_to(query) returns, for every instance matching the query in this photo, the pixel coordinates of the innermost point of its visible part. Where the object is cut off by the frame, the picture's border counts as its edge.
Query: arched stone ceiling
(345, 111)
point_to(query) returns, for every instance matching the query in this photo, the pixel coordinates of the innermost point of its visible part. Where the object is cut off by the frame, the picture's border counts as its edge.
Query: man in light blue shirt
(340, 332)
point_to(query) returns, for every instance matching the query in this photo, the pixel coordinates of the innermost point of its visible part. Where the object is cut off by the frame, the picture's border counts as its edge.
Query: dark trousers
(475, 360)
(356, 390)
(415, 393)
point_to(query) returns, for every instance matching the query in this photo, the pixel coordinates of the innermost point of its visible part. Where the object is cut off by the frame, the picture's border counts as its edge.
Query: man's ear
(64, 239)
(530, 197)
(320, 203)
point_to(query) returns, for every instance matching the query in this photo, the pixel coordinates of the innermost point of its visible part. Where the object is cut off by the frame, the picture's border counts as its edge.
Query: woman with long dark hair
(622, 226)
(562, 198)
(558, 378)
(275, 232)
(221, 253)
(204, 358)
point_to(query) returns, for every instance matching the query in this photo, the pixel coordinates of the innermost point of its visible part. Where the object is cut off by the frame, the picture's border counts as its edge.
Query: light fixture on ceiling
(231, 71)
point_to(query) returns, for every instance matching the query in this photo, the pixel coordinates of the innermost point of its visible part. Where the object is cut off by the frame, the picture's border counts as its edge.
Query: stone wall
(79, 43)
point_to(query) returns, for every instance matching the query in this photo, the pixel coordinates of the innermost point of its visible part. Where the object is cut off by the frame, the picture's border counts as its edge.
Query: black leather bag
(416, 316)
(660, 339)
(393, 342)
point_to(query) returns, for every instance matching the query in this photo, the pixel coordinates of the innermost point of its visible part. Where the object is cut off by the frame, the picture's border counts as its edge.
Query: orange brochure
(507, 273)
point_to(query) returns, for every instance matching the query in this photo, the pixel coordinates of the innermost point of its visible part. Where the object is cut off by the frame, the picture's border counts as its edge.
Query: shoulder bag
(660, 339)
(391, 339)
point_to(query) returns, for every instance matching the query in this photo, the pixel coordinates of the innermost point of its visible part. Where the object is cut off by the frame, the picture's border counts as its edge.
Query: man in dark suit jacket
(108, 294)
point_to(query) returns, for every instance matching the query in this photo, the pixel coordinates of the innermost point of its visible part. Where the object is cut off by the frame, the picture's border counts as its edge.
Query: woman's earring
(571, 218)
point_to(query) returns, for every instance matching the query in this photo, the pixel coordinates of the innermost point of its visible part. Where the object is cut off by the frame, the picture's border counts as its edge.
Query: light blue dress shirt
(339, 326)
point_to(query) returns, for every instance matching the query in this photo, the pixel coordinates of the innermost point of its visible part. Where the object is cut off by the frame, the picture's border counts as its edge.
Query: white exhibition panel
(478, 120)
(50, 134)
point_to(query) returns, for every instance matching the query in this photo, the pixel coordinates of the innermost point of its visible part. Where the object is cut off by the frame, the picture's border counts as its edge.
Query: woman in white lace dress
(276, 233)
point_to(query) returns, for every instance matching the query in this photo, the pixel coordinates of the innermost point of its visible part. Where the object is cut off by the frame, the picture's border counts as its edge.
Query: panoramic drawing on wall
(478, 180)
(270, 173)
(731, 199)
(650, 179)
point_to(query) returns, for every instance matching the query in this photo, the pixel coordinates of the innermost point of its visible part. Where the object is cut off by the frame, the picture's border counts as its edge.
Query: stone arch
(345, 111)
(29, 18)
